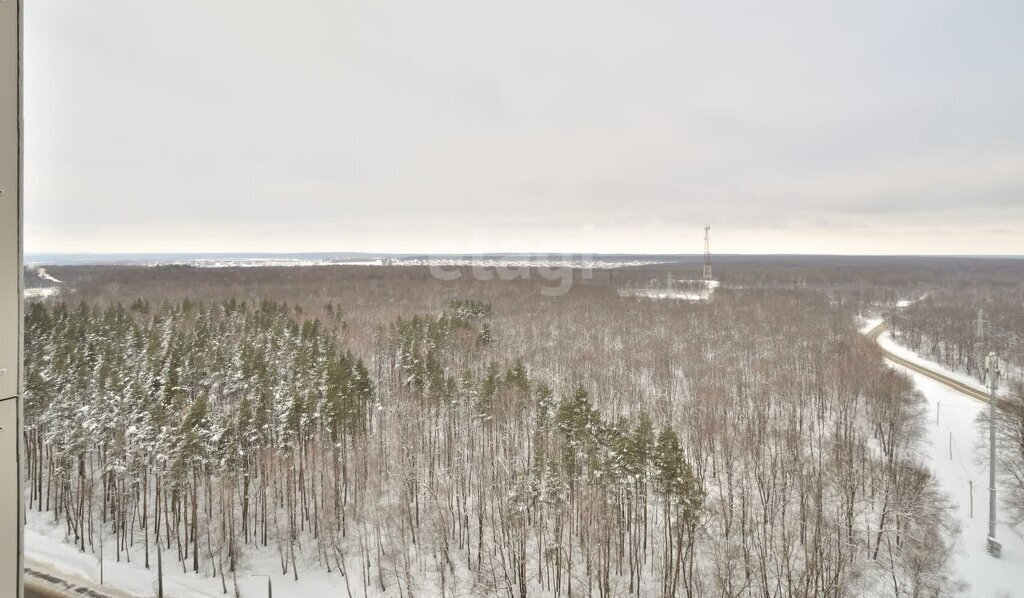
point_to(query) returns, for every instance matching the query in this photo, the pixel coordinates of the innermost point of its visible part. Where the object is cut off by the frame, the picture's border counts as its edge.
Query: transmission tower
(707, 252)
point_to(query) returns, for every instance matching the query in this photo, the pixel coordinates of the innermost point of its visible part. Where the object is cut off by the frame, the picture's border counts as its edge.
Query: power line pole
(979, 343)
(992, 373)
(707, 252)
(990, 369)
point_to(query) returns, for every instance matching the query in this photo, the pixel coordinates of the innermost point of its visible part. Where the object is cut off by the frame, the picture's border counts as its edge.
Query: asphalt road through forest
(956, 385)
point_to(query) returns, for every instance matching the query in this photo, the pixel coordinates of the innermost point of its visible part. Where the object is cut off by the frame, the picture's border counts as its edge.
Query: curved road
(33, 591)
(956, 385)
(42, 584)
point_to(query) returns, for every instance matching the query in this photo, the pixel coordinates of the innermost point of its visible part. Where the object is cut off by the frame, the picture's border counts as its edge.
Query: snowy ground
(956, 452)
(41, 292)
(40, 284)
(47, 550)
(692, 290)
(42, 273)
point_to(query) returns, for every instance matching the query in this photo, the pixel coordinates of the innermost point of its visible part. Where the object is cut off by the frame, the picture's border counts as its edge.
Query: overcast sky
(525, 125)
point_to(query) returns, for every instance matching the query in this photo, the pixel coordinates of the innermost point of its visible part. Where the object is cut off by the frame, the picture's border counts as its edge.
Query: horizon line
(496, 253)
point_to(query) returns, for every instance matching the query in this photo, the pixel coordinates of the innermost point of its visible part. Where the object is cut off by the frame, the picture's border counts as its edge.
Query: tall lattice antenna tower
(707, 252)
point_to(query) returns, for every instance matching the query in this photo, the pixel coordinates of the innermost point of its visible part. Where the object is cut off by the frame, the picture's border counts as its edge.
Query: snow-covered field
(43, 274)
(482, 262)
(260, 262)
(554, 262)
(956, 452)
(40, 284)
(690, 290)
(41, 292)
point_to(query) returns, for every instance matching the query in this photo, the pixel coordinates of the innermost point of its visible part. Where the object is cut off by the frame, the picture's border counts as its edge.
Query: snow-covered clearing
(41, 292)
(906, 302)
(688, 290)
(40, 284)
(956, 452)
(42, 273)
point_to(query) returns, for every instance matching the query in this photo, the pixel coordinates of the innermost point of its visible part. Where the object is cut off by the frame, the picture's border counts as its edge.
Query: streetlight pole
(992, 373)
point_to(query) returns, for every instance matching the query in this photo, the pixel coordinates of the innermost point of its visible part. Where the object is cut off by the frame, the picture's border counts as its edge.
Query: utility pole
(990, 369)
(979, 341)
(992, 373)
(707, 252)
(11, 514)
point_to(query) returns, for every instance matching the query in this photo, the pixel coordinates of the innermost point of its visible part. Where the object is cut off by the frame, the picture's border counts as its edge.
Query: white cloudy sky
(528, 125)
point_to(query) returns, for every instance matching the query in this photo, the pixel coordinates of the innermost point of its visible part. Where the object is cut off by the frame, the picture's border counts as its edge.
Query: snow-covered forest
(412, 437)
(942, 326)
